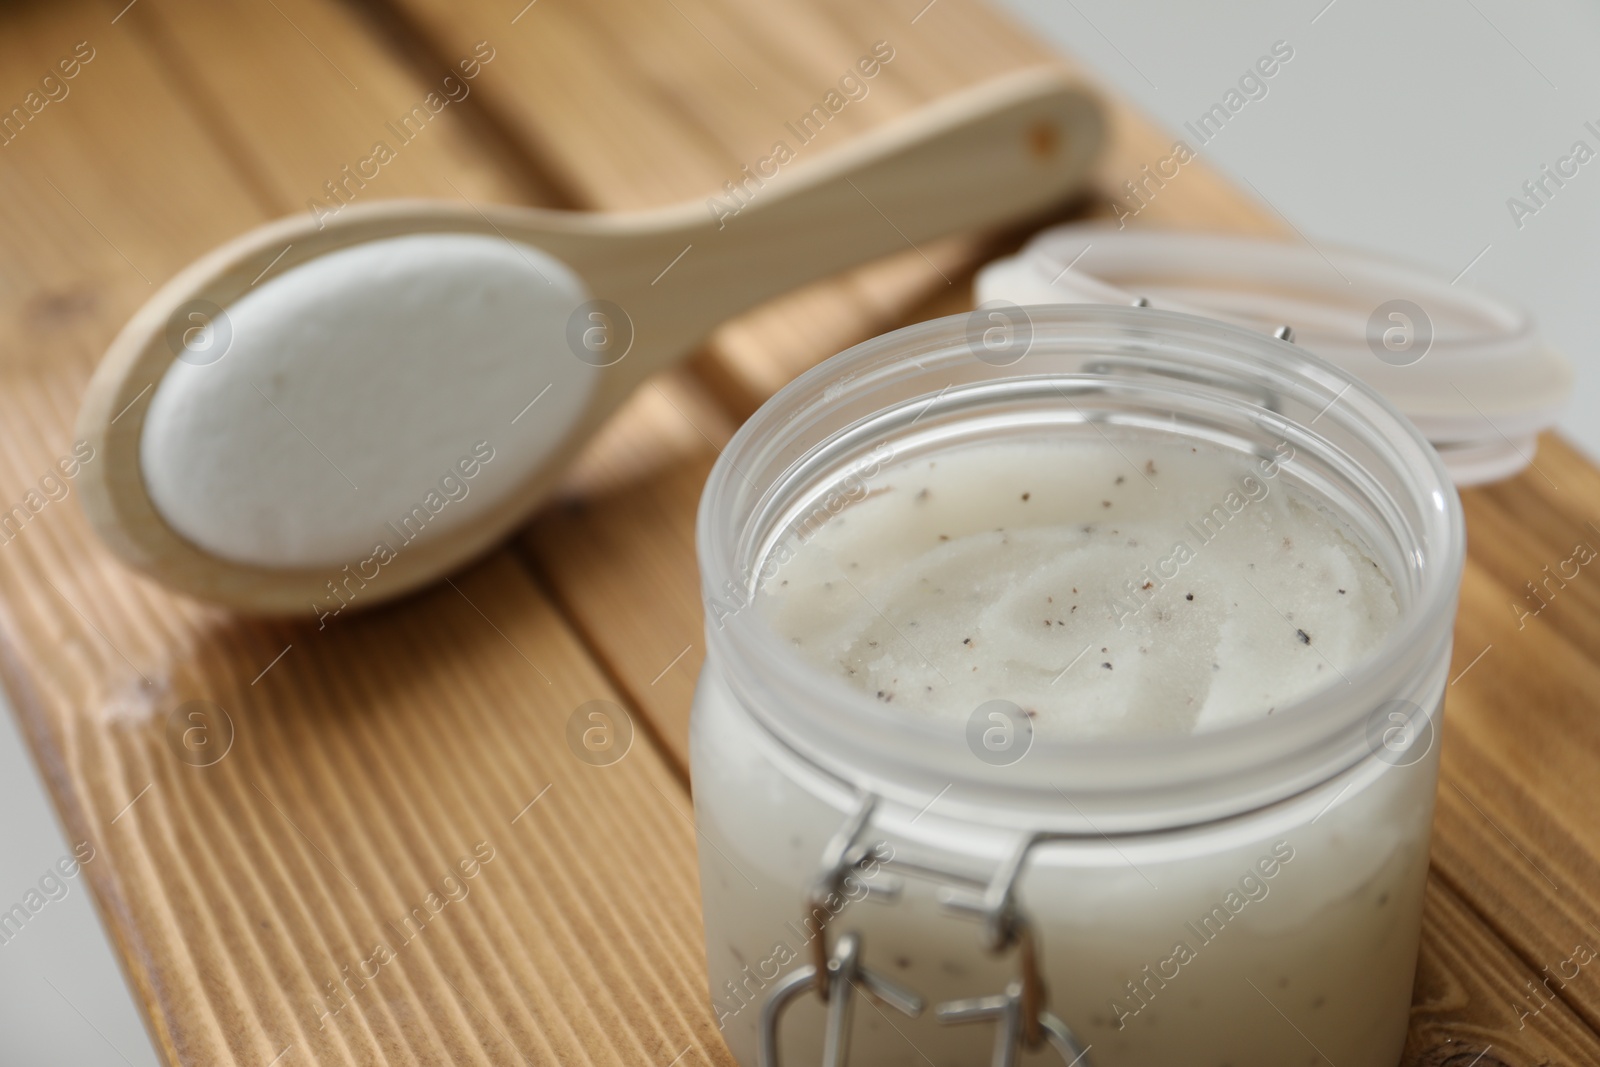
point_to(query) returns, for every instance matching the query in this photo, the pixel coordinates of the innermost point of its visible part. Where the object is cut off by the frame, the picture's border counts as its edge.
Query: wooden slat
(371, 757)
(74, 258)
(617, 548)
(1518, 832)
(295, 95)
(1470, 997)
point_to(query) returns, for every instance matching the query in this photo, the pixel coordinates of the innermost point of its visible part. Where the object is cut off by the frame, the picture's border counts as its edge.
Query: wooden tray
(368, 760)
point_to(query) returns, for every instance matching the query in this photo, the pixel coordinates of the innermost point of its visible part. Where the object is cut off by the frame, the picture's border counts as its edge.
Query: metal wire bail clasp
(843, 976)
(835, 976)
(1008, 1013)
(1021, 1016)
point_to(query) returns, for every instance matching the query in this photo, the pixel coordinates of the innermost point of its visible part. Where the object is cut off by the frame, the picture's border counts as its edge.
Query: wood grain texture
(373, 756)
(1518, 830)
(369, 760)
(617, 549)
(1472, 1005)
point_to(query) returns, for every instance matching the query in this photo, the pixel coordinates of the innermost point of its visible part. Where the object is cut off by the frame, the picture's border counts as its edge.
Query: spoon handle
(995, 153)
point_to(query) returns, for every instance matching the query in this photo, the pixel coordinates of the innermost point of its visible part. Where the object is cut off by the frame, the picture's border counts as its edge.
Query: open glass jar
(1249, 895)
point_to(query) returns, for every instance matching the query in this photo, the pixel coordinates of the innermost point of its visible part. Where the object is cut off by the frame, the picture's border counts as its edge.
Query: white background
(1400, 125)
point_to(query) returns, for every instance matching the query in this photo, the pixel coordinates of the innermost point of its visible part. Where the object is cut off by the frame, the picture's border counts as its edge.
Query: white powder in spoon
(386, 393)
(1107, 590)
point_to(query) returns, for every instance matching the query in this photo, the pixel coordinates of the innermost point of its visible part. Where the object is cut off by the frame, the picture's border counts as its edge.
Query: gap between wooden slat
(600, 656)
(426, 57)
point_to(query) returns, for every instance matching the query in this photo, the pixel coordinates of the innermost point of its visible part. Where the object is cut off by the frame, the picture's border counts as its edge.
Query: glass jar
(1249, 896)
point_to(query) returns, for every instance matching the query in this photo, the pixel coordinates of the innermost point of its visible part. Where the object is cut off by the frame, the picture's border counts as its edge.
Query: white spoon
(311, 418)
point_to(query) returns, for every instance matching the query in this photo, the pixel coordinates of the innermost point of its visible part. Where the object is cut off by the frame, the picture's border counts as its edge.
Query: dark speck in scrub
(1025, 497)
(1305, 638)
(1107, 666)
(1188, 596)
(1105, 503)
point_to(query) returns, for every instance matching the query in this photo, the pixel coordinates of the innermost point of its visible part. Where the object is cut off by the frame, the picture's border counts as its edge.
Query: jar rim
(817, 713)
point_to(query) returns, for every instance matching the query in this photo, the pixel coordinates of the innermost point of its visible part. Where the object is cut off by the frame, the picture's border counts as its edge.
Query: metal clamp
(1010, 1016)
(842, 976)
(1023, 1021)
(1021, 1013)
(840, 857)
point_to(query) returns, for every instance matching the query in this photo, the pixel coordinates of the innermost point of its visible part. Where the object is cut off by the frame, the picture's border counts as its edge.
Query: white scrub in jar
(1108, 588)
